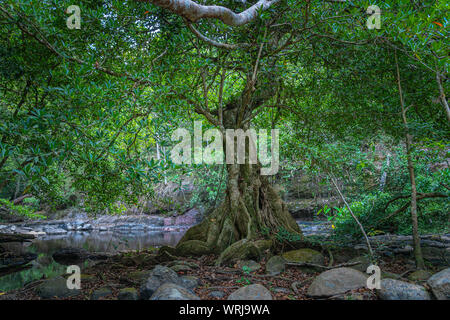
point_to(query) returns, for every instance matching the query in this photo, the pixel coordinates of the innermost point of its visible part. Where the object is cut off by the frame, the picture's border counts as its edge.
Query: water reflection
(45, 266)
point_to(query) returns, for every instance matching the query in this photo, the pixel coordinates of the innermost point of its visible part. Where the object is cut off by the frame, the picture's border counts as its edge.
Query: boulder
(337, 281)
(188, 282)
(275, 265)
(128, 294)
(70, 255)
(171, 291)
(55, 288)
(158, 276)
(305, 256)
(440, 284)
(251, 292)
(400, 290)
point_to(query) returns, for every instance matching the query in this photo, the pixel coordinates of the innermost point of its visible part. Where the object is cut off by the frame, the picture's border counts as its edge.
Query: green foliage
(19, 210)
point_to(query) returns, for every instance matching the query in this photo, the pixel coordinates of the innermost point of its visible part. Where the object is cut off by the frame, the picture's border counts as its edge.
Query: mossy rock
(241, 250)
(419, 275)
(263, 244)
(305, 256)
(138, 276)
(169, 249)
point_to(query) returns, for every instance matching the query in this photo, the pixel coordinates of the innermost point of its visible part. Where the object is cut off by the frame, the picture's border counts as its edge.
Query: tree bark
(193, 11)
(442, 96)
(251, 208)
(408, 140)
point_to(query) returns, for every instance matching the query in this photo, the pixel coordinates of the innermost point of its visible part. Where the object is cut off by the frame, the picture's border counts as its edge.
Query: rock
(128, 294)
(249, 265)
(192, 248)
(188, 282)
(364, 263)
(100, 293)
(440, 284)
(180, 267)
(158, 276)
(12, 260)
(139, 276)
(54, 231)
(400, 290)
(171, 291)
(189, 218)
(70, 255)
(216, 294)
(55, 288)
(275, 265)
(419, 275)
(251, 292)
(389, 275)
(337, 281)
(306, 256)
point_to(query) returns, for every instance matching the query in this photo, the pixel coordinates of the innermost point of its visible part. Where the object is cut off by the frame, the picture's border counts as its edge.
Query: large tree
(233, 65)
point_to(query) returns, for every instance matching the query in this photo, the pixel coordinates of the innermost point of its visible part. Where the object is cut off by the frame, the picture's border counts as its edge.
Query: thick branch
(193, 11)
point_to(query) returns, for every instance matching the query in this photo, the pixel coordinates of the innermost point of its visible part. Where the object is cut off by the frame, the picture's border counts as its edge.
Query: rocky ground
(296, 274)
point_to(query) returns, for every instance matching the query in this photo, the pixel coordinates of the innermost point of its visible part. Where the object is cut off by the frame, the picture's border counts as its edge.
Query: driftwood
(6, 237)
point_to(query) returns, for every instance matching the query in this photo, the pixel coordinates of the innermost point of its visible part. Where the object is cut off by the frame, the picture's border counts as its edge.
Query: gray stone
(157, 277)
(400, 290)
(251, 292)
(337, 281)
(100, 293)
(275, 265)
(188, 282)
(305, 256)
(440, 284)
(171, 291)
(128, 294)
(55, 288)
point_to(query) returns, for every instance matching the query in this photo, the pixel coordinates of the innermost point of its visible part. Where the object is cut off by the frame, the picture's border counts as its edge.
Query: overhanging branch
(193, 11)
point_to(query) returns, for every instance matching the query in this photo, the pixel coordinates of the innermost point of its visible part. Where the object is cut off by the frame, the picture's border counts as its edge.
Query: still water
(45, 266)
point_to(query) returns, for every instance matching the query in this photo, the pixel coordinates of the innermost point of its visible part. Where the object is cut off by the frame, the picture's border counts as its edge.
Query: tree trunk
(251, 207)
(415, 228)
